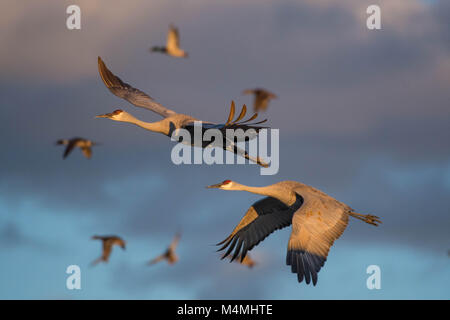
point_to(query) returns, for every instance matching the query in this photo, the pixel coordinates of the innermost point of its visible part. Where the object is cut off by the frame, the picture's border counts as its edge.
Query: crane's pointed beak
(214, 186)
(106, 115)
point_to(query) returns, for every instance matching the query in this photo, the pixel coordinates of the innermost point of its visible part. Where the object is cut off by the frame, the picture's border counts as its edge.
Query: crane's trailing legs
(368, 218)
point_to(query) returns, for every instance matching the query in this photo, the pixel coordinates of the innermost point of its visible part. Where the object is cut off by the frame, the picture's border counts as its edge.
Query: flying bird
(170, 254)
(172, 120)
(108, 243)
(261, 98)
(172, 47)
(317, 221)
(84, 144)
(247, 261)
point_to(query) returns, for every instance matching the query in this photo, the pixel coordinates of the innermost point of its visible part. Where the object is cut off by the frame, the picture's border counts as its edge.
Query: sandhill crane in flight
(108, 242)
(317, 221)
(84, 144)
(172, 120)
(261, 98)
(172, 47)
(170, 254)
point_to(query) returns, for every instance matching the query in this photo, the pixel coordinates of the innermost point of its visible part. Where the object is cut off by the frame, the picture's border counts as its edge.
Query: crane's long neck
(285, 196)
(159, 126)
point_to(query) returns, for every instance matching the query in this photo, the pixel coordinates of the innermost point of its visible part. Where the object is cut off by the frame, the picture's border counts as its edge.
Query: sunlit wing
(87, 151)
(157, 259)
(125, 91)
(175, 241)
(173, 38)
(261, 102)
(315, 227)
(107, 249)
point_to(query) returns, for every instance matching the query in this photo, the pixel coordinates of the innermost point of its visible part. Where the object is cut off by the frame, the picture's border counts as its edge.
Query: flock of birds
(317, 219)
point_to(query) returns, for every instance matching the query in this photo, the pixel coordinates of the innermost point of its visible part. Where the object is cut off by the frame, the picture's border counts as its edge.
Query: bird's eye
(226, 182)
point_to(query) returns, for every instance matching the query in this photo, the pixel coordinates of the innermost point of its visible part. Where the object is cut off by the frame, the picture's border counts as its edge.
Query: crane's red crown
(226, 182)
(118, 111)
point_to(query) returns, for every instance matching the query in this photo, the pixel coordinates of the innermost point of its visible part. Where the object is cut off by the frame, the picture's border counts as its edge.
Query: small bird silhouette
(108, 243)
(84, 144)
(170, 254)
(261, 98)
(172, 47)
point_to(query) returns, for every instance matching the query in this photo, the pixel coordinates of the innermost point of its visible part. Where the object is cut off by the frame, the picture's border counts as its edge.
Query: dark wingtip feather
(305, 264)
(238, 250)
(228, 240)
(231, 247)
(222, 242)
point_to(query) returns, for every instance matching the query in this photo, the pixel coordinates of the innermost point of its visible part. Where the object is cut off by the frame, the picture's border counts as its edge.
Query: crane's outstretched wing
(125, 91)
(70, 146)
(175, 241)
(157, 259)
(106, 249)
(262, 218)
(315, 227)
(173, 38)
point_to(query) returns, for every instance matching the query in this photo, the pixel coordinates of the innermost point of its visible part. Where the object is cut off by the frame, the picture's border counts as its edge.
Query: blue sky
(363, 116)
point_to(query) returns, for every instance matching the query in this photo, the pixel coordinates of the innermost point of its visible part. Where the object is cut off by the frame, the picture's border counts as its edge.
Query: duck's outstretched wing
(261, 99)
(157, 259)
(125, 91)
(87, 151)
(175, 241)
(261, 102)
(173, 38)
(70, 146)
